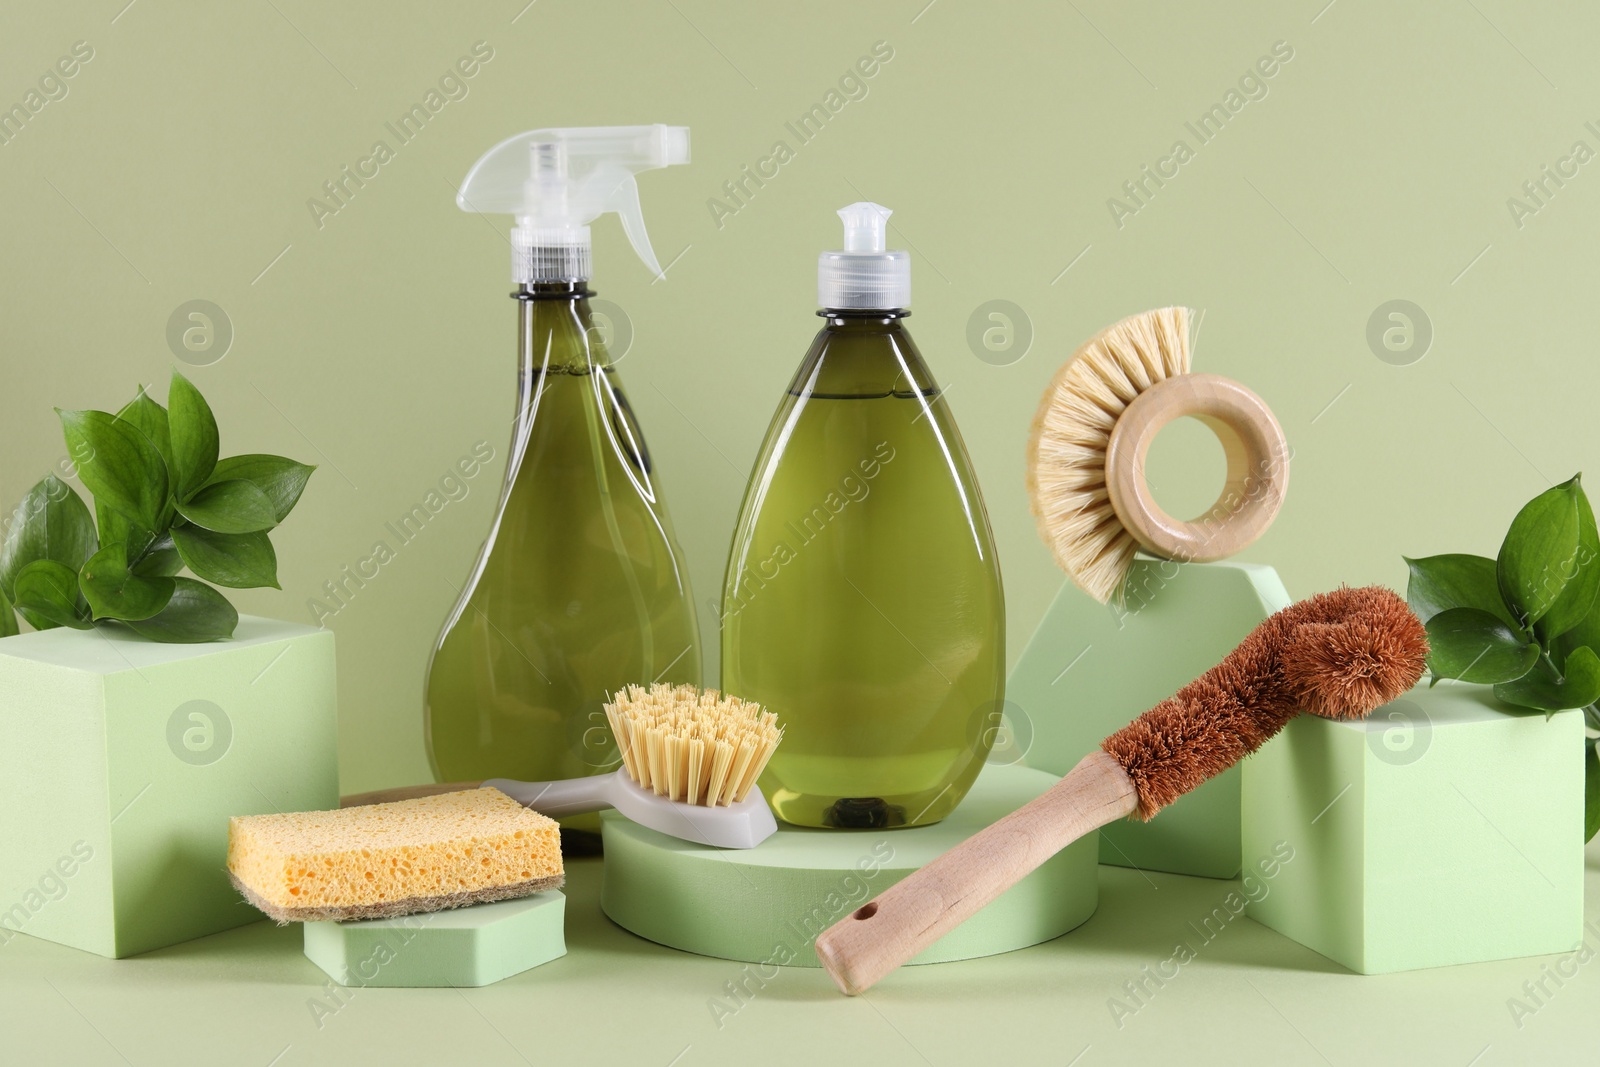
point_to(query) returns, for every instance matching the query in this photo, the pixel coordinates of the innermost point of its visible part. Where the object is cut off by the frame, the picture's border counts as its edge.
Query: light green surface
(1089, 669)
(123, 760)
(1444, 829)
(1249, 996)
(462, 947)
(768, 904)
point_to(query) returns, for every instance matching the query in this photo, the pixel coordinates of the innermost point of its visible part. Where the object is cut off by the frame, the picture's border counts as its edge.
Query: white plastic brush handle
(742, 825)
(575, 796)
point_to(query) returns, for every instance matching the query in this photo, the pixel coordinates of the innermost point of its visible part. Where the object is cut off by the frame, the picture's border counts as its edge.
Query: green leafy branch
(1528, 621)
(163, 501)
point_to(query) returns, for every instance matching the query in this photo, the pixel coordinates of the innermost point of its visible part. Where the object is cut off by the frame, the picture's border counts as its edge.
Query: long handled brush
(1338, 655)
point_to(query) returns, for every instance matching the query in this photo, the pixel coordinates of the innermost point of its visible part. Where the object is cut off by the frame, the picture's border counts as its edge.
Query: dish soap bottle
(862, 600)
(579, 588)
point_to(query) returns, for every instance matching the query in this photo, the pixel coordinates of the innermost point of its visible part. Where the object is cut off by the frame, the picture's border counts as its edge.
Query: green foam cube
(123, 760)
(1091, 668)
(1445, 829)
(472, 946)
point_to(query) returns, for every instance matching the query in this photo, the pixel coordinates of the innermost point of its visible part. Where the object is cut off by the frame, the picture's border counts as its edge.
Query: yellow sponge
(386, 860)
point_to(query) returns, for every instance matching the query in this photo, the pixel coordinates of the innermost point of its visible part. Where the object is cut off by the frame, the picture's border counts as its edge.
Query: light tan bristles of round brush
(1072, 429)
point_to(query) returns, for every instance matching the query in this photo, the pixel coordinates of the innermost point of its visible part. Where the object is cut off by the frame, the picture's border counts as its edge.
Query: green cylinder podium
(767, 905)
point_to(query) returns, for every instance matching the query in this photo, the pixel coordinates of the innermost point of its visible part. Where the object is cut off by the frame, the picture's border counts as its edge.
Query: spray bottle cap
(864, 274)
(556, 182)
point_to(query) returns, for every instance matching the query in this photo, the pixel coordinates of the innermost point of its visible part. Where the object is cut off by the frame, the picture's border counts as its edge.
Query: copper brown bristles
(1338, 655)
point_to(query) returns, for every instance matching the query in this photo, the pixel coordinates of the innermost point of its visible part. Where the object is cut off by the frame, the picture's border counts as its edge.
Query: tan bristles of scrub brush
(691, 746)
(1338, 655)
(690, 760)
(1090, 436)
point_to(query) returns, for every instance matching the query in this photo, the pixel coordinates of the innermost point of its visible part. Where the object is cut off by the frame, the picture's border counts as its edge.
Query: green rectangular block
(1445, 829)
(462, 947)
(1090, 669)
(123, 760)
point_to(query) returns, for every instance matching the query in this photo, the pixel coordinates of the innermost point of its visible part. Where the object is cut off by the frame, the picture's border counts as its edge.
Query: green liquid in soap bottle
(579, 588)
(862, 601)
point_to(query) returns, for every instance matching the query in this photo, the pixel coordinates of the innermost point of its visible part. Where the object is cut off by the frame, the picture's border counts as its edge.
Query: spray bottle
(579, 588)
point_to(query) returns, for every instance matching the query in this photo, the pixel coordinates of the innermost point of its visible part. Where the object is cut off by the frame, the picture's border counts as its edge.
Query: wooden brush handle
(922, 907)
(404, 792)
(1258, 467)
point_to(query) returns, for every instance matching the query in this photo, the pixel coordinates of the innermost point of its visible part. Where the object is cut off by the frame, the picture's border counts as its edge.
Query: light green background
(380, 346)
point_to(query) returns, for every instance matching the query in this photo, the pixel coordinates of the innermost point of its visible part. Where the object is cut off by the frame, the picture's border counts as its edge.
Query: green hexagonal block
(1091, 668)
(472, 946)
(123, 760)
(1445, 829)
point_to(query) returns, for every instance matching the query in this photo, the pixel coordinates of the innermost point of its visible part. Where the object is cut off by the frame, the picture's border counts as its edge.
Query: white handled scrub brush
(690, 761)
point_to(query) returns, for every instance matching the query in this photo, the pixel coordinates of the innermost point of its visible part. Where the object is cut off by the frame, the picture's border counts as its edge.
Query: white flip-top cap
(864, 274)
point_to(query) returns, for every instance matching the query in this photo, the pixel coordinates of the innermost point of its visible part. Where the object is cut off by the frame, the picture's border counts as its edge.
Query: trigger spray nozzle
(555, 182)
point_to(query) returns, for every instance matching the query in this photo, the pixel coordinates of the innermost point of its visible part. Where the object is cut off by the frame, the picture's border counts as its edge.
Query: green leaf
(194, 437)
(8, 617)
(1591, 790)
(47, 596)
(121, 466)
(1454, 580)
(115, 527)
(161, 560)
(1537, 554)
(236, 561)
(150, 418)
(1586, 633)
(115, 592)
(196, 612)
(235, 506)
(51, 522)
(1576, 687)
(1474, 646)
(283, 480)
(1583, 571)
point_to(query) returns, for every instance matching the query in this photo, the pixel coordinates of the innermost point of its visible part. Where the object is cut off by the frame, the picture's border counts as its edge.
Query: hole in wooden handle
(867, 910)
(1258, 467)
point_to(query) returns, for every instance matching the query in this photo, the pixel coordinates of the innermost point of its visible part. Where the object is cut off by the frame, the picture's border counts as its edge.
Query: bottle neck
(556, 333)
(862, 318)
(863, 353)
(564, 290)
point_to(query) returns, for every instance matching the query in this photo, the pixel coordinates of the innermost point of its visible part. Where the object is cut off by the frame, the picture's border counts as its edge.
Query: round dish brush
(1338, 655)
(1092, 431)
(690, 760)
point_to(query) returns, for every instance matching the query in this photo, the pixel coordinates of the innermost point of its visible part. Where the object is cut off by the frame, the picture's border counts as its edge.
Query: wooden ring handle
(928, 903)
(1258, 467)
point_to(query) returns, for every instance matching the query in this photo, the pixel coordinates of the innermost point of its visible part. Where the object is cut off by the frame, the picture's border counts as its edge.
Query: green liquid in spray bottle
(862, 601)
(579, 589)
